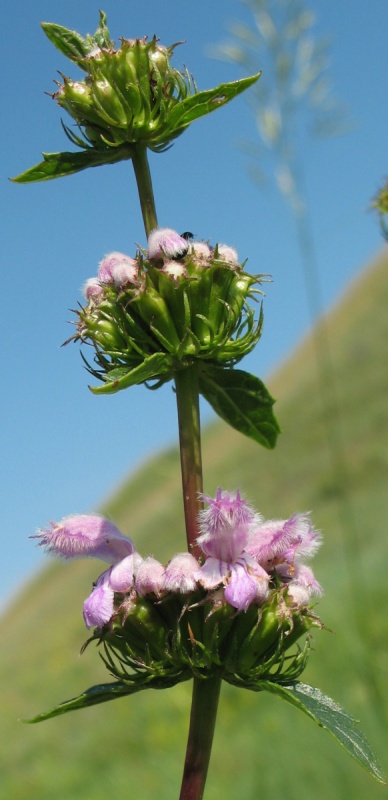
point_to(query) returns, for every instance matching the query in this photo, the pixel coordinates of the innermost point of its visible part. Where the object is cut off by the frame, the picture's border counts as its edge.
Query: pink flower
(245, 581)
(92, 289)
(166, 243)
(201, 251)
(229, 254)
(180, 574)
(150, 577)
(99, 606)
(275, 544)
(86, 535)
(226, 526)
(174, 269)
(119, 269)
(303, 586)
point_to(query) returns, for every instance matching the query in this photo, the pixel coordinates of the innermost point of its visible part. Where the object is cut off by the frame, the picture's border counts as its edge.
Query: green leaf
(70, 43)
(330, 716)
(202, 103)
(75, 46)
(91, 697)
(102, 35)
(243, 401)
(104, 692)
(58, 165)
(152, 367)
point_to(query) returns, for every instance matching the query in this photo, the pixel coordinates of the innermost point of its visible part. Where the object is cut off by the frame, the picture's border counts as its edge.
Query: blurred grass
(135, 747)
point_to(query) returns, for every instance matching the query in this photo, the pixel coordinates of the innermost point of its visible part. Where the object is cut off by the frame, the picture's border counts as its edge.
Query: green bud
(128, 93)
(153, 310)
(260, 637)
(139, 632)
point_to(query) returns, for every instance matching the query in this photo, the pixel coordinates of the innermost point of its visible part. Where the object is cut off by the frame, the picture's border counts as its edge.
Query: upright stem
(205, 692)
(187, 395)
(204, 706)
(144, 186)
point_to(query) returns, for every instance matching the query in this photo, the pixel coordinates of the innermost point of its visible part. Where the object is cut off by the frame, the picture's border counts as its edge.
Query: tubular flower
(118, 269)
(280, 546)
(85, 535)
(99, 607)
(238, 610)
(148, 317)
(226, 527)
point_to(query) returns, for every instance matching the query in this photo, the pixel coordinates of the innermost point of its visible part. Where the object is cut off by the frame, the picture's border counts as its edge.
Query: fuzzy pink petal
(86, 535)
(114, 261)
(241, 589)
(180, 573)
(304, 586)
(165, 243)
(98, 607)
(150, 577)
(225, 526)
(121, 575)
(212, 573)
(280, 541)
(229, 254)
(92, 289)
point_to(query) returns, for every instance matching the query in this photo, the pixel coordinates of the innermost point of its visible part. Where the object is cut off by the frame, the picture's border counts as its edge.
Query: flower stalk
(203, 716)
(144, 187)
(187, 396)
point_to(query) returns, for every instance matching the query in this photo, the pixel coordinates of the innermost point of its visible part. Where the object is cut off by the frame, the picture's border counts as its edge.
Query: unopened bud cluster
(128, 96)
(150, 316)
(238, 610)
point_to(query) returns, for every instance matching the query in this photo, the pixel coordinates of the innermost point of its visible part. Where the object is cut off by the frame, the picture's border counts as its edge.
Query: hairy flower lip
(85, 535)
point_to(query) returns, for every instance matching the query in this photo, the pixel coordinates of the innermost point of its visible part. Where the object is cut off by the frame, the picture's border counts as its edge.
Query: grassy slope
(262, 748)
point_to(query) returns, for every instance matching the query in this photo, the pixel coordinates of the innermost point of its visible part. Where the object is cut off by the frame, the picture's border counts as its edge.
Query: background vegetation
(135, 747)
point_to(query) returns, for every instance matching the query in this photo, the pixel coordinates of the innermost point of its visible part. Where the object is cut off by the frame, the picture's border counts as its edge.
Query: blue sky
(64, 450)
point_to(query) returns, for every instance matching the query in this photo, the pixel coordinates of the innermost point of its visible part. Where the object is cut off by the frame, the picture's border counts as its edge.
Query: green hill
(263, 748)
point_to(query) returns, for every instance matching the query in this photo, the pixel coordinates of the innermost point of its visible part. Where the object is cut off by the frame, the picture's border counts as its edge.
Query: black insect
(187, 235)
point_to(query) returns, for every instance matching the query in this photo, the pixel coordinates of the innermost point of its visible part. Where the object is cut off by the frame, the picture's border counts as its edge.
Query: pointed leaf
(75, 46)
(243, 401)
(152, 367)
(104, 692)
(102, 35)
(91, 697)
(202, 103)
(70, 43)
(58, 165)
(330, 716)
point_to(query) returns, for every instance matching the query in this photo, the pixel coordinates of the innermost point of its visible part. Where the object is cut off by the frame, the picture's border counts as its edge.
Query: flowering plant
(238, 604)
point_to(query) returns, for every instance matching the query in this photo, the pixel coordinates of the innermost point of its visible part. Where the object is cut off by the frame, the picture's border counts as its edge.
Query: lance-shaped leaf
(242, 400)
(151, 368)
(104, 692)
(332, 717)
(202, 103)
(75, 46)
(58, 165)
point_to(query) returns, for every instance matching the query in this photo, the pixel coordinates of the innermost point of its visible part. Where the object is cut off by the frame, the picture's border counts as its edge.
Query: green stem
(144, 187)
(204, 706)
(187, 394)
